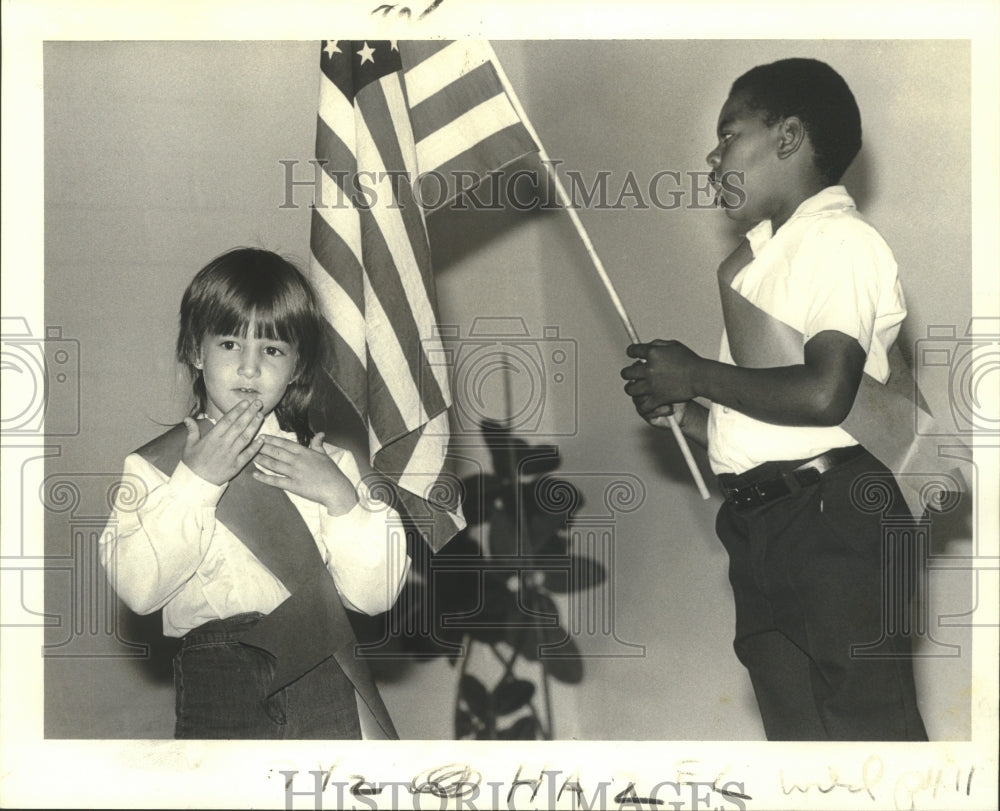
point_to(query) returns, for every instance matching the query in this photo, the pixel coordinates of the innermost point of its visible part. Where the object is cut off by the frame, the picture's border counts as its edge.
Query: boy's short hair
(817, 95)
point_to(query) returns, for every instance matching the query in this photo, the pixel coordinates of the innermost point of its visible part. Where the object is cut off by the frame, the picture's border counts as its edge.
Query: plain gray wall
(160, 155)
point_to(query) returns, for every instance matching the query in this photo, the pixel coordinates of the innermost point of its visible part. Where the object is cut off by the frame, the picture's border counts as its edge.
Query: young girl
(252, 534)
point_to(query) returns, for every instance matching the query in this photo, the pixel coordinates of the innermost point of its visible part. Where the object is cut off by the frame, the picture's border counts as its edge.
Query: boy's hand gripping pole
(566, 204)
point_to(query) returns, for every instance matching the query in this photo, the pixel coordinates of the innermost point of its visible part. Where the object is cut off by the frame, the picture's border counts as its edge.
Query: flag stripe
(337, 112)
(414, 51)
(427, 455)
(446, 66)
(482, 121)
(443, 107)
(440, 187)
(387, 423)
(341, 218)
(385, 155)
(386, 353)
(338, 155)
(328, 246)
(351, 375)
(337, 307)
(399, 111)
(398, 267)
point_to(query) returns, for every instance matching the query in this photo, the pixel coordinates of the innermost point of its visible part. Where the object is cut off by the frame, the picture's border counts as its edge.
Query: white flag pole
(566, 204)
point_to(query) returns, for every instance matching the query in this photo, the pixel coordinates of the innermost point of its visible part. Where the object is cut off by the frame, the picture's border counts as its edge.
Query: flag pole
(594, 258)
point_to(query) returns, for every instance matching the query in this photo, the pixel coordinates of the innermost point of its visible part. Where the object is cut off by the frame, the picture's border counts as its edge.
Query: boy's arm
(820, 391)
(691, 416)
(693, 420)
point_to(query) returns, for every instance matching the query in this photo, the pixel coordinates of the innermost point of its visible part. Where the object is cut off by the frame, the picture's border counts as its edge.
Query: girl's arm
(366, 546)
(158, 533)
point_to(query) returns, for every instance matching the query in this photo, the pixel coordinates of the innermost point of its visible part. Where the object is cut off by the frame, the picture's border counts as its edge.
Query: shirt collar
(832, 198)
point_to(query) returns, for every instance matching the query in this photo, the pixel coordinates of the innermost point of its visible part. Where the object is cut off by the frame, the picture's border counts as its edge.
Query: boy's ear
(791, 136)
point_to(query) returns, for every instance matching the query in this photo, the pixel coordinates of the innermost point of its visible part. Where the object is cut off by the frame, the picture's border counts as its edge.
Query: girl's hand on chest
(307, 472)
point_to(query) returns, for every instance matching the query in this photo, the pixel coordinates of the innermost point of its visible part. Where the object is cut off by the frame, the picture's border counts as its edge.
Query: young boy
(811, 302)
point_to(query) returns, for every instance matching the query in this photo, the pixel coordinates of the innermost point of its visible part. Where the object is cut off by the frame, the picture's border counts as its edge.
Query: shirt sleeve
(366, 547)
(159, 532)
(843, 267)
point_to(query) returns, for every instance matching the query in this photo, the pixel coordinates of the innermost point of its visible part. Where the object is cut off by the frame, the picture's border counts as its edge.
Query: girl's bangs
(268, 324)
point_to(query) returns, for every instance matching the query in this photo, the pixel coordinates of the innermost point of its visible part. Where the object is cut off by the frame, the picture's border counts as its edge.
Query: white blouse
(164, 548)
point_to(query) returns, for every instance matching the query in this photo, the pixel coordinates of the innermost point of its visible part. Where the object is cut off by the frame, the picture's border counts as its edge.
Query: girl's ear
(197, 362)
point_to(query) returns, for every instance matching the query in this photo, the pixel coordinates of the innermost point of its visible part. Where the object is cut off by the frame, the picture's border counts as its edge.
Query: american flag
(396, 120)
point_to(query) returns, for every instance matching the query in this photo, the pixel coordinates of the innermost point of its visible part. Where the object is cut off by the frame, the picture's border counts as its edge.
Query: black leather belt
(785, 482)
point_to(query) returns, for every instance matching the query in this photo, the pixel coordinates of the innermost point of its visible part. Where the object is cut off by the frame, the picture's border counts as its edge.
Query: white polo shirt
(825, 269)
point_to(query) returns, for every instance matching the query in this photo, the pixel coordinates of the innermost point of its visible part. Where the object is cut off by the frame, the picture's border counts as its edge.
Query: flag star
(366, 54)
(331, 47)
(393, 45)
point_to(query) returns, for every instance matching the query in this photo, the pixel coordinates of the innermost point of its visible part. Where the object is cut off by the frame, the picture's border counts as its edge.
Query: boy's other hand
(227, 446)
(307, 472)
(663, 375)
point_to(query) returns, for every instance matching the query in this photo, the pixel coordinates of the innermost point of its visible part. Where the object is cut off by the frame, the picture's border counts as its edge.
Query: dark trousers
(221, 688)
(808, 573)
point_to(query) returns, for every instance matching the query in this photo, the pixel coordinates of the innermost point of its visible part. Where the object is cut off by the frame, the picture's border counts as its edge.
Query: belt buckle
(750, 495)
(767, 491)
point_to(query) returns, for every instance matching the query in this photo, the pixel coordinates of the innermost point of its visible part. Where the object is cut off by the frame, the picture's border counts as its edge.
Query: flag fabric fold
(402, 128)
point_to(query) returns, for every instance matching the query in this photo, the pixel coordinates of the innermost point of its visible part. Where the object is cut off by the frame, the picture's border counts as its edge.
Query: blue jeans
(221, 686)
